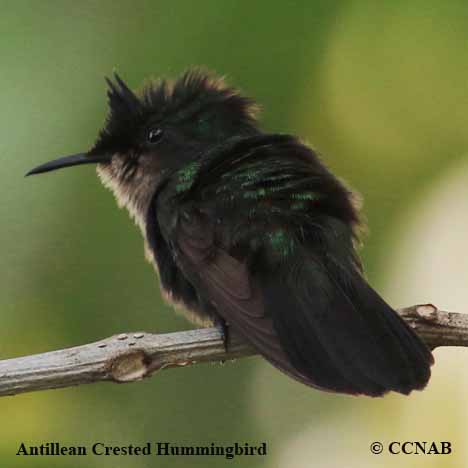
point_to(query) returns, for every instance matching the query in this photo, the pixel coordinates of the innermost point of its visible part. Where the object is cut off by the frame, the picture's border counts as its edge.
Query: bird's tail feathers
(340, 335)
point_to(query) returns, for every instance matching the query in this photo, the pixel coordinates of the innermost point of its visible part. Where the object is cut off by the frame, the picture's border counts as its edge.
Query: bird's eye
(154, 135)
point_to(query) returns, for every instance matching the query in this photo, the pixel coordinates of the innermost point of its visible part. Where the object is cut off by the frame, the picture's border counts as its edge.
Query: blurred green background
(380, 89)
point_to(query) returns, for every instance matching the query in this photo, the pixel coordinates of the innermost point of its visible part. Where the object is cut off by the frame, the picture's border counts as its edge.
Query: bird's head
(159, 129)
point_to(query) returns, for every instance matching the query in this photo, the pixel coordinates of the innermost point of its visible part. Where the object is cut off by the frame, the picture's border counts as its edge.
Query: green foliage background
(379, 88)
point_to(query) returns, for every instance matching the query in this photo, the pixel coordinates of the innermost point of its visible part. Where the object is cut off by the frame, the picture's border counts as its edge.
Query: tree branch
(132, 356)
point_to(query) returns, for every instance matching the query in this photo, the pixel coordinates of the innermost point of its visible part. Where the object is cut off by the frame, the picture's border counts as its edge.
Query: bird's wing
(252, 231)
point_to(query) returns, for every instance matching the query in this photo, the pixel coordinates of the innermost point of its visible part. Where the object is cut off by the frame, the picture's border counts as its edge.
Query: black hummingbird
(250, 230)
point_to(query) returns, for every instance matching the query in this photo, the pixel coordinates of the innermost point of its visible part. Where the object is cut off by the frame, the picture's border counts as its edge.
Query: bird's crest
(121, 97)
(198, 98)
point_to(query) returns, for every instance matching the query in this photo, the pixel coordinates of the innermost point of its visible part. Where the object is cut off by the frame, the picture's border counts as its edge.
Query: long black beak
(68, 161)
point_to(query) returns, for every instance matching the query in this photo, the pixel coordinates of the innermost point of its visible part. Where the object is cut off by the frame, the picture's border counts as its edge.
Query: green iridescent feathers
(272, 181)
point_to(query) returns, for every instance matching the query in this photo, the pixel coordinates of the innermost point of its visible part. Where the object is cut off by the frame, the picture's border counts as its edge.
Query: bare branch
(132, 356)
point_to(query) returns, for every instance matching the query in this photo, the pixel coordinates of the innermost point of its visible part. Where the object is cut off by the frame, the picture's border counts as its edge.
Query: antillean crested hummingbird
(250, 231)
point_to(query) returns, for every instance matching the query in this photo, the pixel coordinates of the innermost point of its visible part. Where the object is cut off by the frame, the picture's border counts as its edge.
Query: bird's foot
(223, 328)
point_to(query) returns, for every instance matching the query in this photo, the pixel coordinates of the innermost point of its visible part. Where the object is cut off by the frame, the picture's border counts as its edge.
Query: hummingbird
(251, 232)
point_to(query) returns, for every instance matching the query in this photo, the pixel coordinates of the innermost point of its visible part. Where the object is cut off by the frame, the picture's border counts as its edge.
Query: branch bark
(133, 356)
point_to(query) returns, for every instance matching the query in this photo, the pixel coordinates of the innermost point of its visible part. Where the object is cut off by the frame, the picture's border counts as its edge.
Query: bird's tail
(340, 335)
